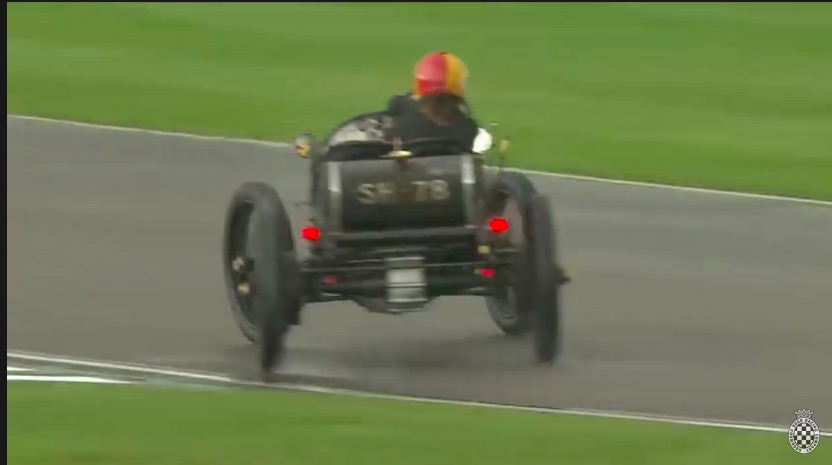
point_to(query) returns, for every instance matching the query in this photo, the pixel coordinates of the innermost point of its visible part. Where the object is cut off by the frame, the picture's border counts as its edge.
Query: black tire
(235, 244)
(547, 279)
(512, 311)
(274, 278)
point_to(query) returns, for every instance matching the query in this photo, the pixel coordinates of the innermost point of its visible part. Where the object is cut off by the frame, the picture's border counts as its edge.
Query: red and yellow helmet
(440, 72)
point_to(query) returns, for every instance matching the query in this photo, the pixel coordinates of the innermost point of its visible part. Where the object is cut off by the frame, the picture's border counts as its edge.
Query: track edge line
(221, 379)
(574, 177)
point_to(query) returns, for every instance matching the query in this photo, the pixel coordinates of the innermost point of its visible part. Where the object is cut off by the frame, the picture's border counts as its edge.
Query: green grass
(721, 95)
(70, 424)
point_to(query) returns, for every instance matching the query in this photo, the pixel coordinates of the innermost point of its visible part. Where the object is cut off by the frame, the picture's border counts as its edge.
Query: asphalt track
(683, 303)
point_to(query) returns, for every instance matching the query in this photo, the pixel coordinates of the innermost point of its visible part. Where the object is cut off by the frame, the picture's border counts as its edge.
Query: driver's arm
(468, 131)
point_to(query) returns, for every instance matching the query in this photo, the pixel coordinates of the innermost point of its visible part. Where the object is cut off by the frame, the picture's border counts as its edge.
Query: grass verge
(63, 424)
(719, 95)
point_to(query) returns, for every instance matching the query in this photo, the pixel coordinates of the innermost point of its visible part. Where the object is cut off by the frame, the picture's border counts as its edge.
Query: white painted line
(102, 365)
(180, 135)
(573, 177)
(64, 379)
(324, 390)
(698, 190)
(16, 369)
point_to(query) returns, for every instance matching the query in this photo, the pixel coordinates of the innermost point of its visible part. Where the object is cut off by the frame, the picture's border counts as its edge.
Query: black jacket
(409, 123)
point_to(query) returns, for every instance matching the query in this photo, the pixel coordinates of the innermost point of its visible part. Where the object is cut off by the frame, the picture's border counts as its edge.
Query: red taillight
(486, 272)
(310, 233)
(498, 225)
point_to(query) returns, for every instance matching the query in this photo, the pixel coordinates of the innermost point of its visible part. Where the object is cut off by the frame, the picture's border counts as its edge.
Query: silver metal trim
(469, 184)
(335, 196)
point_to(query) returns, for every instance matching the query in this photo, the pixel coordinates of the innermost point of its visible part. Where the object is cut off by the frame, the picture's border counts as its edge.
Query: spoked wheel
(261, 271)
(511, 308)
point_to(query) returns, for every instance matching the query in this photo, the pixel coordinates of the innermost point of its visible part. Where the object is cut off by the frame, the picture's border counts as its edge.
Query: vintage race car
(394, 225)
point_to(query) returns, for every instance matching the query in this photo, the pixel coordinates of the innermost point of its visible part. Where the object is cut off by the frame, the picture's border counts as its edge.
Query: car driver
(436, 106)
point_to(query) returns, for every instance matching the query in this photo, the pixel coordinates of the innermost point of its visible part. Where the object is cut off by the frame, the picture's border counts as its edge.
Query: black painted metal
(419, 193)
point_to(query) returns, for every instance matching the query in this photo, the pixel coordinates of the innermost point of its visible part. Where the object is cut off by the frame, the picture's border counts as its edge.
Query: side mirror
(483, 142)
(304, 144)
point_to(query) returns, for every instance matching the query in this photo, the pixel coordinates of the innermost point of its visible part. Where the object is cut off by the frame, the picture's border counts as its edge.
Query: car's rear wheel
(548, 279)
(511, 309)
(237, 264)
(262, 277)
